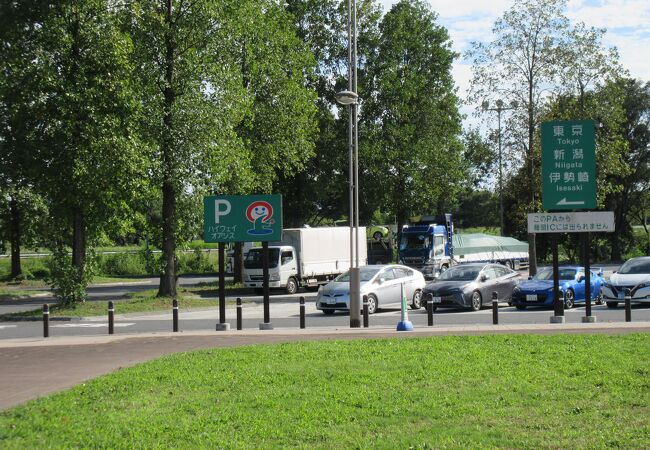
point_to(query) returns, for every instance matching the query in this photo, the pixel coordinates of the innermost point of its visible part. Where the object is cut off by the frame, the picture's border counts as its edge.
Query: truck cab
(425, 248)
(283, 268)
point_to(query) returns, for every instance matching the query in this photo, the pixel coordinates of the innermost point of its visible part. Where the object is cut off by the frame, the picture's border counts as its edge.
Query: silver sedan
(382, 284)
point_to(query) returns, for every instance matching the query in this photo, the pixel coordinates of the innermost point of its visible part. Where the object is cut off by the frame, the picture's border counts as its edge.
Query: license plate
(531, 297)
(621, 295)
(331, 301)
(436, 300)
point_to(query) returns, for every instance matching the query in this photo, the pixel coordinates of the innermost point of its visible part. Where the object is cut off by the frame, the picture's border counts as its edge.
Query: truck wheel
(417, 300)
(292, 286)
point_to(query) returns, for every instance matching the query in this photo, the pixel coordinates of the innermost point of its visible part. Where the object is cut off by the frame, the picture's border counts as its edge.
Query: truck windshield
(254, 258)
(414, 241)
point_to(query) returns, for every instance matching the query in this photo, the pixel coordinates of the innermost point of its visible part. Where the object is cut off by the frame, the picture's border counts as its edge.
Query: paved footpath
(35, 367)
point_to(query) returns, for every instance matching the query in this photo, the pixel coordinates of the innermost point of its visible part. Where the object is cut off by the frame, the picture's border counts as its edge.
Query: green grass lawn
(506, 391)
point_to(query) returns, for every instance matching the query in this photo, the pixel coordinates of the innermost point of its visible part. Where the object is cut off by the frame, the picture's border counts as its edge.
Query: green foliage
(123, 264)
(499, 391)
(68, 282)
(414, 151)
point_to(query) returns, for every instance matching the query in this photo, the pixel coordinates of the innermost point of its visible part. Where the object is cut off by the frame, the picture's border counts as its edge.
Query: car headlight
(274, 277)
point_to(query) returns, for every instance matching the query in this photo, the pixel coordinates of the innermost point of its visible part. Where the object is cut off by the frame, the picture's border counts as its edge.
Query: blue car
(538, 290)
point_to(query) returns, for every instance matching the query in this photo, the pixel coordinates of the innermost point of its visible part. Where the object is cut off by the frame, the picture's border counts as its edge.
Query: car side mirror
(381, 280)
(484, 277)
(581, 278)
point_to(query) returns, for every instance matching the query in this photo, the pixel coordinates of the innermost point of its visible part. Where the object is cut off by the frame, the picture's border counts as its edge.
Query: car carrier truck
(431, 246)
(306, 257)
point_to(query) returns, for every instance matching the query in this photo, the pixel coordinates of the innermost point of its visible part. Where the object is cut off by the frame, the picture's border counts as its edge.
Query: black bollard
(430, 311)
(495, 308)
(302, 312)
(175, 315)
(111, 312)
(628, 305)
(365, 311)
(239, 327)
(46, 320)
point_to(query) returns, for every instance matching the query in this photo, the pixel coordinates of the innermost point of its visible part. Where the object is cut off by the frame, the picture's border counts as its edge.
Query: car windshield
(414, 241)
(460, 273)
(635, 266)
(547, 274)
(254, 258)
(365, 274)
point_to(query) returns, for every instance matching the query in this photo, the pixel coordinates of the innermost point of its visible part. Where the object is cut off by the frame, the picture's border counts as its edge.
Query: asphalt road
(284, 313)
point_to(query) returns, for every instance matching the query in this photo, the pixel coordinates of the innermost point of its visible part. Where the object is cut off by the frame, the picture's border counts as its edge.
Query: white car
(633, 275)
(382, 285)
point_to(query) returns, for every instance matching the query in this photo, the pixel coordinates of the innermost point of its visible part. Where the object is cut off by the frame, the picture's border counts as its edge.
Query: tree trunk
(237, 261)
(167, 287)
(16, 268)
(79, 242)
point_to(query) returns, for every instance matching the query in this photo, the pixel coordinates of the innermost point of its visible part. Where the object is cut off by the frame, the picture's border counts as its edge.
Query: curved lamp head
(346, 98)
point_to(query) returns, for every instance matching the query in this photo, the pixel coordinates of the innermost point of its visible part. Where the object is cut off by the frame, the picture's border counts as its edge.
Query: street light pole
(499, 109)
(350, 98)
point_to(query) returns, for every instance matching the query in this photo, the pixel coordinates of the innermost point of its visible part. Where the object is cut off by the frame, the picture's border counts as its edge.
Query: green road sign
(247, 218)
(568, 165)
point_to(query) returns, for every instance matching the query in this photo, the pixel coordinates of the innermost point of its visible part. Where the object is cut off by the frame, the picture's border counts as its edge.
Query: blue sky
(627, 23)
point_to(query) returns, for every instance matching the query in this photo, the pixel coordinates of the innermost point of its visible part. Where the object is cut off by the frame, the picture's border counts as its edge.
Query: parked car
(471, 285)
(538, 290)
(378, 232)
(382, 285)
(634, 275)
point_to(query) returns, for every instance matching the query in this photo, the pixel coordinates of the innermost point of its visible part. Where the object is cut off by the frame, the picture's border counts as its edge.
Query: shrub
(121, 264)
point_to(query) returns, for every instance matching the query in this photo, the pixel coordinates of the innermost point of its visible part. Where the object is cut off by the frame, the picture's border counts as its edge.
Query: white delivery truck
(305, 257)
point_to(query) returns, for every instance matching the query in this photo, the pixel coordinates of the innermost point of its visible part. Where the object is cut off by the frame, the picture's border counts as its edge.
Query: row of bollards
(429, 310)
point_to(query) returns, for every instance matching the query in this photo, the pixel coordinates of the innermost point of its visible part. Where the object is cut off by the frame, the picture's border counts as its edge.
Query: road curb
(256, 336)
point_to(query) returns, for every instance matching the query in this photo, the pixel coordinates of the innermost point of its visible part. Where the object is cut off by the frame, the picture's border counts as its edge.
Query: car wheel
(417, 300)
(372, 304)
(569, 299)
(520, 307)
(477, 301)
(328, 312)
(612, 304)
(292, 286)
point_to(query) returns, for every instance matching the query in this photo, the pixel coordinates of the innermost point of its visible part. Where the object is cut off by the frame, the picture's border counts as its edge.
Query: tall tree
(206, 86)
(320, 192)
(18, 38)
(81, 141)
(533, 44)
(412, 114)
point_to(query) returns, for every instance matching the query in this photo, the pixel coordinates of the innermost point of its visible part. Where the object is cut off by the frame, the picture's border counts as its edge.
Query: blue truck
(431, 246)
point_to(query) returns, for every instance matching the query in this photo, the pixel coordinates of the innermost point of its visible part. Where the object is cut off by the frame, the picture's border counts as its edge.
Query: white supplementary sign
(571, 222)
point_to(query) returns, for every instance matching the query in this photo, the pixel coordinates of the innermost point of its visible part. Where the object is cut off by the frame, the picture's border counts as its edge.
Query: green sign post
(246, 218)
(568, 165)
